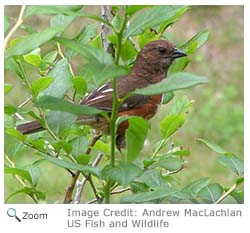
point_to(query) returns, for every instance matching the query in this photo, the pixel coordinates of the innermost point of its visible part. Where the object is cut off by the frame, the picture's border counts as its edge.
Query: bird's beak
(178, 53)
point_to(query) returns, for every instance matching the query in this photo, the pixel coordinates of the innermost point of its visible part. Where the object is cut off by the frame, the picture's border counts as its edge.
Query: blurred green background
(217, 114)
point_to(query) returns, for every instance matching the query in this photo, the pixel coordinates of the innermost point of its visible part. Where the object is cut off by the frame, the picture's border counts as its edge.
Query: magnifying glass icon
(11, 212)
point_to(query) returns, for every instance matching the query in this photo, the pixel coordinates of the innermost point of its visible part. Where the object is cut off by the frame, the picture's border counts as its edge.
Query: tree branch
(105, 31)
(16, 26)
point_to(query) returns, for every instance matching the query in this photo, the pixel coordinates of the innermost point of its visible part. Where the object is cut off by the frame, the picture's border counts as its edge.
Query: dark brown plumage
(150, 67)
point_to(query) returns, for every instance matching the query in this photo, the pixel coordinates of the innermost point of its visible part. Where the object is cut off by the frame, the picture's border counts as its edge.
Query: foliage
(76, 149)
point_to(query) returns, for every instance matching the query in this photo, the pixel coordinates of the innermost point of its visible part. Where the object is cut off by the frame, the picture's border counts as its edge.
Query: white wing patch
(96, 98)
(107, 90)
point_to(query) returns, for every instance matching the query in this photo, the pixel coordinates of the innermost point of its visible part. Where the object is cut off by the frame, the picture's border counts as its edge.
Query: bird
(150, 67)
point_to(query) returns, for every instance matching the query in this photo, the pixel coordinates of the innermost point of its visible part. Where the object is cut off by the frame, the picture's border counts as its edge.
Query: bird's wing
(101, 98)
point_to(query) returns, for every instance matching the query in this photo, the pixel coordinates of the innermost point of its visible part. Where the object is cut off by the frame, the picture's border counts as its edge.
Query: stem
(16, 26)
(115, 106)
(226, 194)
(159, 147)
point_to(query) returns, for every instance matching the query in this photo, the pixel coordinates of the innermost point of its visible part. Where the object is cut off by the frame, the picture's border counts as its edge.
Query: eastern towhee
(151, 66)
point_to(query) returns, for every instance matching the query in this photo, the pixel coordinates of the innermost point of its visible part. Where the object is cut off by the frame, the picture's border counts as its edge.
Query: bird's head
(157, 56)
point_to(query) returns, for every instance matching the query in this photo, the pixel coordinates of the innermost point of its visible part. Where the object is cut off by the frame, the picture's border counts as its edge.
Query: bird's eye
(162, 50)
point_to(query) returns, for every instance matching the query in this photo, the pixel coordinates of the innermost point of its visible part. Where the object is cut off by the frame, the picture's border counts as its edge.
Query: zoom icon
(11, 212)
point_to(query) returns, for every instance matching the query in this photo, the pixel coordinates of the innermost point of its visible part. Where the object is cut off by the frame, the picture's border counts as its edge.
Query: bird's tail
(31, 127)
(96, 122)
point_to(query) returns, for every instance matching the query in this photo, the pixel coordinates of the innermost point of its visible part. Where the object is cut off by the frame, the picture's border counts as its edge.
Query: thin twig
(19, 179)
(175, 171)
(89, 178)
(24, 102)
(226, 194)
(120, 191)
(70, 189)
(18, 115)
(13, 165)
(112, 193)
(16, 26)
(80, 184)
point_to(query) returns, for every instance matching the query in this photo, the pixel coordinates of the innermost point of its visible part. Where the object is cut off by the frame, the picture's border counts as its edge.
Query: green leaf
(172, 20)
(31, 42)
(197, 185)
(214, 147)
(29, 29)
(91, 54)
(80, 85)
(239, 181)
(70, 165)
(170, 163)
(123, 173)
(160, 144)
(15, 133)
(211, 193)
(59, 121)
(7, 88)
(79, 145)
(117, 22)
(12, 65)
(130, 10)
(178, 65)
(56, 104)
(96, 42)
(61, 21)
(6, 24)
(62, 145)
(62, 80)
(195, 42)
(84, 37)
(159, 193)
(180, 106)
(19, 172)
(149, 18)
(34, 172)
(138, 187)
(102, 146)
(153, 178)
(50, 10)
(33, 59)
(101, 72)
(41, 84)
(50, 57)
(127, 52)
(10, 109)
(170, 124)
(135, 136)
(146, 37)
(238, 195)
(83, 159)
(232, 162)
(8, 121)
(174, 82)
(38, 143)
(30, 191)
